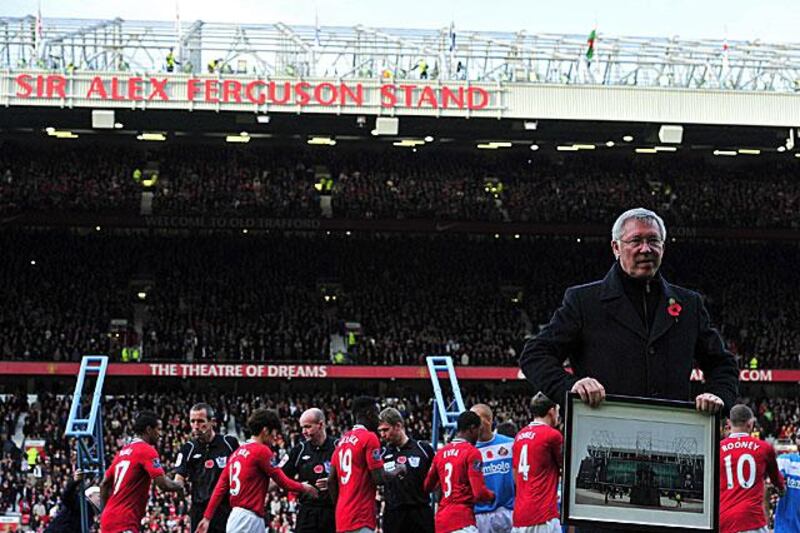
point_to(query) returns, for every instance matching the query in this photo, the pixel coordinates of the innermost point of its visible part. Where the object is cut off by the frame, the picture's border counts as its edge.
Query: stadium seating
(398, 184)
(259, 297)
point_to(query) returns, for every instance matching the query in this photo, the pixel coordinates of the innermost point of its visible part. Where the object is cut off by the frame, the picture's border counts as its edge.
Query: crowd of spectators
(278, 298)
(376, 183)
(32, 482)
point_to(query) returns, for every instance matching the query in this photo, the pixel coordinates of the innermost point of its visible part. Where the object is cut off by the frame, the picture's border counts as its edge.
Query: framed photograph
(640, 464)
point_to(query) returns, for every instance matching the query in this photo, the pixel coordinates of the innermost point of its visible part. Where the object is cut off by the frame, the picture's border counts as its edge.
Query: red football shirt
(245, 479)
(458, 468)
(537, 468)
(356, 455)
(743, 463)
(132, 469)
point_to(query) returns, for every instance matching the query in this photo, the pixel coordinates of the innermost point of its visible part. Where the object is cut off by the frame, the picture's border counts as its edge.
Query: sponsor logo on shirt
(496, 468)
(413, 461)
(318, 469)
(222, 461)
(197, 456)
(788, 467)
(306, 457)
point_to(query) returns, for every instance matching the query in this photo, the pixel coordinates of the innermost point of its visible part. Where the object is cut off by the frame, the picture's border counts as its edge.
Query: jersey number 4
(523, 467)
(744, 483)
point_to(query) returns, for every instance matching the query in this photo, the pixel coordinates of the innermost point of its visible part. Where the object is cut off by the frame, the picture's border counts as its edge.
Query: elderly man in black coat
(632, 333)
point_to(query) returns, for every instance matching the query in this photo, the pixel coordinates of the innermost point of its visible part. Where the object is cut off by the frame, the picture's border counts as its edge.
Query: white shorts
(243, 520)
(498, 521)
(551, 526)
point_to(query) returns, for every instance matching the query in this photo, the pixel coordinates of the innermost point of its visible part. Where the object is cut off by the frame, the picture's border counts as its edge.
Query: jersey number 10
(745, 458)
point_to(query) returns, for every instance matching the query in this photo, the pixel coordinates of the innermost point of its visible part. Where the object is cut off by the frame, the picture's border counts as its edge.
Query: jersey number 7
(119, 473)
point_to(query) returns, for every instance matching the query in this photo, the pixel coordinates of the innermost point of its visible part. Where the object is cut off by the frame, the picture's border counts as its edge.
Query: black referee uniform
(408, 507)
(201, 464)
(308, 463)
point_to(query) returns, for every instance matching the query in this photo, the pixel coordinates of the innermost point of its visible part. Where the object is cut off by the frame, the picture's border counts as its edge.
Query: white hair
(639, 213)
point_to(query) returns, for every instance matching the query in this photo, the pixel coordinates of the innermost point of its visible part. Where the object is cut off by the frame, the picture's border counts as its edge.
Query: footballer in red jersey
(357, 468)
(744, 462)
(537, 469)
(458, 470)
(126, 485)
(246, 476)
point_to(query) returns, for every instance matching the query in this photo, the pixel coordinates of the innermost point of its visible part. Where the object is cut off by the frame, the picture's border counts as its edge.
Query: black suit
(635, 351)
(598, 328)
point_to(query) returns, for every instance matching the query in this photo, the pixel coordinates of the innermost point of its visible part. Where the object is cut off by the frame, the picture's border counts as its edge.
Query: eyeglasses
(636, 242)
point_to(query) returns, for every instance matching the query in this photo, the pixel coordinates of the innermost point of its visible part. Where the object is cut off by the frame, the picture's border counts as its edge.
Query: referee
(201, 461)
(310, 462)
(408, 507)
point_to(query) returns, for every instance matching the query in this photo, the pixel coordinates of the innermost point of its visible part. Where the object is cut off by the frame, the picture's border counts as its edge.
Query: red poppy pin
(674, 308)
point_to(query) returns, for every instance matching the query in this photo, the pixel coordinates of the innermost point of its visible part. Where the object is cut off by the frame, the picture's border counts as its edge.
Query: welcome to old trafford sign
(144, 91)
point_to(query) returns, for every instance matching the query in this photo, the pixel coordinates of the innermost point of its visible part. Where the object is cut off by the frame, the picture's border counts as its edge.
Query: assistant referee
(201, 461)
(408, 506)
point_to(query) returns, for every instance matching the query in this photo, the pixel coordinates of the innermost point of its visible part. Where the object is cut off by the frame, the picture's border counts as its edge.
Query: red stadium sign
(230, 370)
(258, 92)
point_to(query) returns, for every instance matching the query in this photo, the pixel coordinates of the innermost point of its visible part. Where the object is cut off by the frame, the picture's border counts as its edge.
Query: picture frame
(641, 464)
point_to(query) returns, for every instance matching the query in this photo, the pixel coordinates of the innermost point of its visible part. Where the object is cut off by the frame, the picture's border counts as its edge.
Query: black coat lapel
(619, 306)
(663, 321)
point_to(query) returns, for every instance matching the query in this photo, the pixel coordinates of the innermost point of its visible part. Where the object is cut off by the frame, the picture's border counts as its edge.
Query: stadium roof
(30, 123)
(359, 52)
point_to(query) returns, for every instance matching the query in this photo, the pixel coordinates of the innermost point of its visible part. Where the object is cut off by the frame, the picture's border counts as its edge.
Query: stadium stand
(379, 184)
(260, 298)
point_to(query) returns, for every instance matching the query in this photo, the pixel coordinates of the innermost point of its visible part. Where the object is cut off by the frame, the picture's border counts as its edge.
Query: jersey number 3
(236, 485)
(448, 479)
